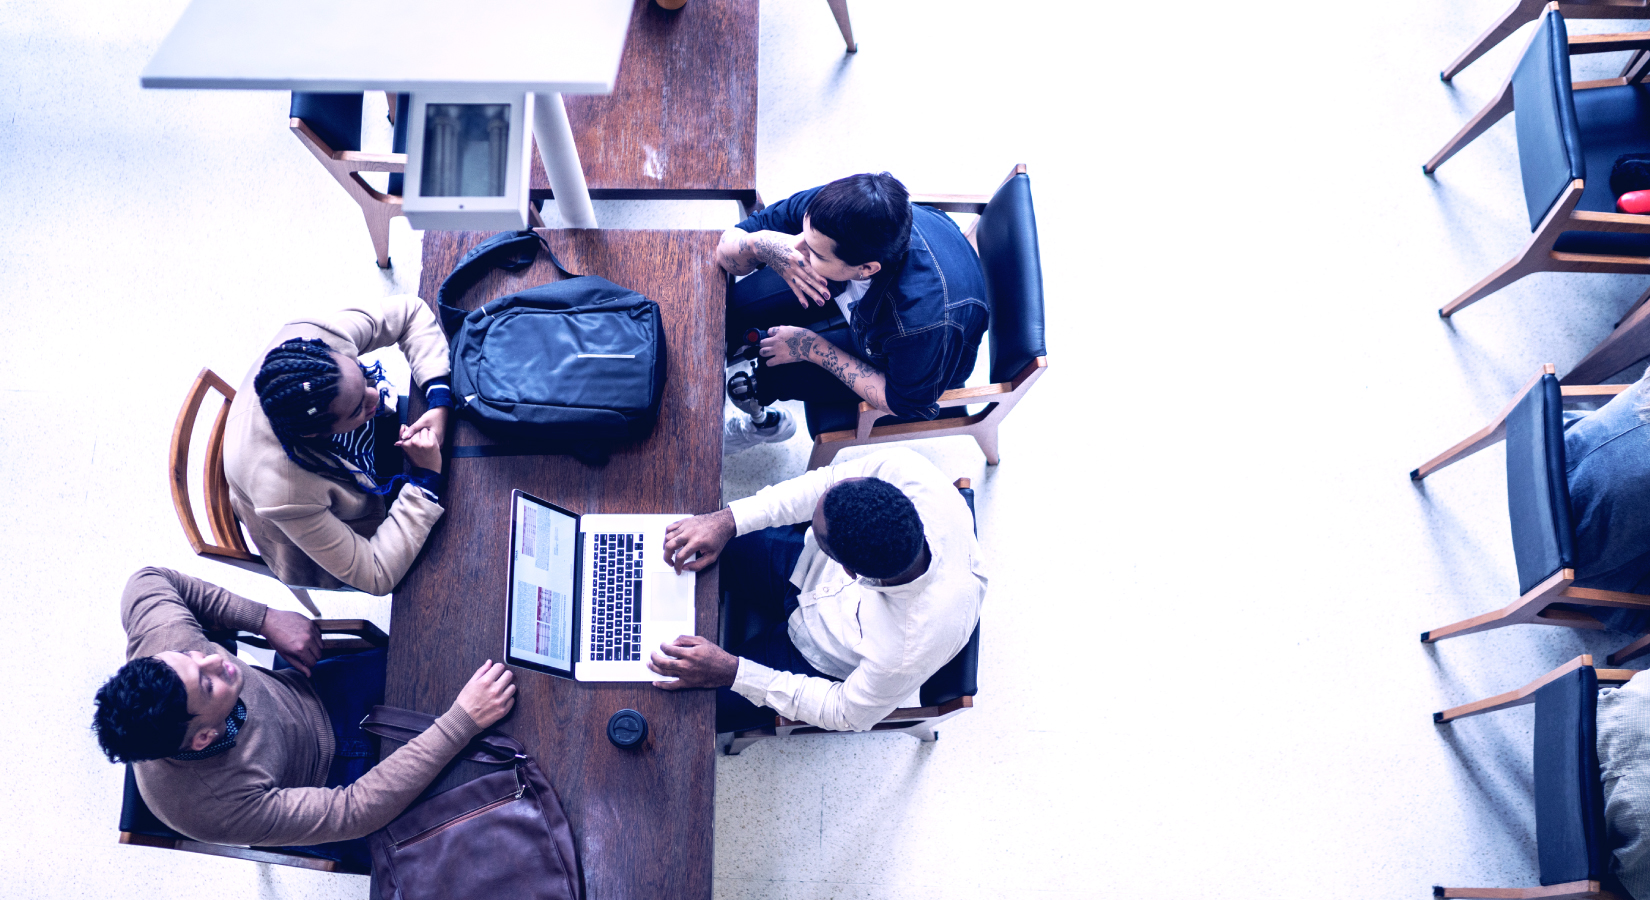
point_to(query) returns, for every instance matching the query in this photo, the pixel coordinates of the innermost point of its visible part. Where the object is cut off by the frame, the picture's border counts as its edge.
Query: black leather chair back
(1549, 140)
(335, 118)
(135, 816)
(1569, 793)
(399, 141)
(1007, 238)
(959, 677)
(1538, 494)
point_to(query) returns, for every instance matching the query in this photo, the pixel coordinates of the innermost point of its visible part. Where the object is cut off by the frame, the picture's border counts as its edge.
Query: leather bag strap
(404, 724)
(511, 251)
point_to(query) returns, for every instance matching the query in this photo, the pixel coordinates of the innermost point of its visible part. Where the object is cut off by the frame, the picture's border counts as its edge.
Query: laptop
(591, 597)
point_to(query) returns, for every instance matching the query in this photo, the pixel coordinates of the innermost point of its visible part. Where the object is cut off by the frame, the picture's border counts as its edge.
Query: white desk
(542, 47)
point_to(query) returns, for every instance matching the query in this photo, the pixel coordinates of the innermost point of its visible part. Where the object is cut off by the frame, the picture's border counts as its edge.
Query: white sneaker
(740, 433)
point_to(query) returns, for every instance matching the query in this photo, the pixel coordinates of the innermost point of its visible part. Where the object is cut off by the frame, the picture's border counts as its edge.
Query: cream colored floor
(1200, 673)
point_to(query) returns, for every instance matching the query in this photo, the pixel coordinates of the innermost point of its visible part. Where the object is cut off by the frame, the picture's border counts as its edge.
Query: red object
(1634, 202)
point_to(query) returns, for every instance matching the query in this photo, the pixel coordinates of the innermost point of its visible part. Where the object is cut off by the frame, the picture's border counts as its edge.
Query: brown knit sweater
(266, 790)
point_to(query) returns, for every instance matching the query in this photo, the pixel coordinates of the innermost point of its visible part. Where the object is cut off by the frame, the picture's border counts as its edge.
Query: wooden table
(680, 123)
(642, 819)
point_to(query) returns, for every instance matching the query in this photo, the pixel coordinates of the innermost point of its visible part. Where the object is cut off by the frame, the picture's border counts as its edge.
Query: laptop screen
(544, 546)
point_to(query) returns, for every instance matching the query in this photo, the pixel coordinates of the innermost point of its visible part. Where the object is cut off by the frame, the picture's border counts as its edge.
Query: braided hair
(296, 387)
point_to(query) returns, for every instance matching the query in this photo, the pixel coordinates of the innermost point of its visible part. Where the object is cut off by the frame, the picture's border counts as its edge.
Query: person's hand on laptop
(705, 535)
(489, 695)
(295, 636)
(695, 663)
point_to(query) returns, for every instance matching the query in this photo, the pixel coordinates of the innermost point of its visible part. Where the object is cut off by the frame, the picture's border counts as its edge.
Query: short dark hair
(142, 712)
(872, 527)
(869, 217)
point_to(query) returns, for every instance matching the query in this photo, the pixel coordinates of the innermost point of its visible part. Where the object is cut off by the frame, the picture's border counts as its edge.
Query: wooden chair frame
(1522, 12)
(1524, 695)
(1550, 602)
(363, 635)
(1538, 254)
(345, 167)
(228, 544)
(1001, 397)
(839, 9)
(921, 722)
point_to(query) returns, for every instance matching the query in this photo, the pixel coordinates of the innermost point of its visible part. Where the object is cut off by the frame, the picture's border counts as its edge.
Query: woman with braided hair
(314, 459)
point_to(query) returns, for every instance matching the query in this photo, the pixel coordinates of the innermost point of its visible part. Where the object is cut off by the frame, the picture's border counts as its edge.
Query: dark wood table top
(642, 819)
(682, 116)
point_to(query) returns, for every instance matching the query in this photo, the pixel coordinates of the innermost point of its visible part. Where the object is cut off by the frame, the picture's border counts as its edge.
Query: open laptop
(591, 597)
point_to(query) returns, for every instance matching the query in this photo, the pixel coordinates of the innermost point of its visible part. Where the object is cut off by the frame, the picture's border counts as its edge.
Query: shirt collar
(231, 727)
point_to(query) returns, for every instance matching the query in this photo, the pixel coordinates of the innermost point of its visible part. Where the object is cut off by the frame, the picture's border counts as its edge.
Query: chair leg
(1627, 344)
(987, 439)
(1521, 12)
(1513, 270)
(1573, 890)
(307, 602)
(1497, 110)
(839, 9)
(823, 453)
(1630, 652)
(1525, 610)
(378, 225)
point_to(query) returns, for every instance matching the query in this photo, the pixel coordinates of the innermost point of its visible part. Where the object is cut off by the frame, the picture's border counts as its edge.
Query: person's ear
(869, 269)
(203, 739)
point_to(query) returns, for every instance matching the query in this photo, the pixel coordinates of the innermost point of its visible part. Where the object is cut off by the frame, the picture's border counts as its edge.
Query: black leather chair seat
(823, 417)
(1613, 122)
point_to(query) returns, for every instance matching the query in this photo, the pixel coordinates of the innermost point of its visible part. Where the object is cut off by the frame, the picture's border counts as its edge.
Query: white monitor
(467, 161)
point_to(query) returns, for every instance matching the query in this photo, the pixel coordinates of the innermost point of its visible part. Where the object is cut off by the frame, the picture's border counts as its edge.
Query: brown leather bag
(502, 835)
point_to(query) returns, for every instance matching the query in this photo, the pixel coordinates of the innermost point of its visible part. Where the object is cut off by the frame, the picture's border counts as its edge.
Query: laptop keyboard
(616, 597)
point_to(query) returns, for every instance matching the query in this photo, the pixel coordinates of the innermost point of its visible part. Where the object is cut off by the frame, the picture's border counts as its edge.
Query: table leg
(561, 160)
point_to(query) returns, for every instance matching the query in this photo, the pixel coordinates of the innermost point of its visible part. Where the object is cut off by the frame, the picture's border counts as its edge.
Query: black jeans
(758, 599)
(349, 687)
(764, 300)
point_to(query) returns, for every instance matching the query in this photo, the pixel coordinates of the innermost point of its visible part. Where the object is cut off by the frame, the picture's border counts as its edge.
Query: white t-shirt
(850, 295)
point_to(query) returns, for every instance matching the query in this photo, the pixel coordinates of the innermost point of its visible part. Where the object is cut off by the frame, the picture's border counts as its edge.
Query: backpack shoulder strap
(403, 725)
(511, 251)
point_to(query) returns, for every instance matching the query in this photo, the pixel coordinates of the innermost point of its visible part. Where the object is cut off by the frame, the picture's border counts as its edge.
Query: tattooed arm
(740, 253)
(788, 344)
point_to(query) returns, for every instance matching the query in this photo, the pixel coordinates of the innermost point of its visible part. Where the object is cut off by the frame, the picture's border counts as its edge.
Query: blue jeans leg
(349, 687)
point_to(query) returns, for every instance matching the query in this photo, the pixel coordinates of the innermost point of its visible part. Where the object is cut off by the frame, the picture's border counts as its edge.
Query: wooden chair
(839, 9)
(1004, 232)
(1538, 497)
(1569, 796)
(140, 827)
(329, 126)
(1565, 132)
(1526, 11)
(946, 694)
(228, 542)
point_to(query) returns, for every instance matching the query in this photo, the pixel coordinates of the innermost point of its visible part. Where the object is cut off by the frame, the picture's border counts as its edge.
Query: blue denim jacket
(921, 320)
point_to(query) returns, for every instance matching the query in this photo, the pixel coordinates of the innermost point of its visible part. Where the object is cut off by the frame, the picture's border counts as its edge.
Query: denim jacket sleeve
(784, 217)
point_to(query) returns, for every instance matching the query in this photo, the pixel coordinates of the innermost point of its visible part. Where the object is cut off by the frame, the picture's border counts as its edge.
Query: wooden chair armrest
(1591, 390)
(1607, 43)
(361, 628)
(372, 162)
(1597, 221)
(985, 393)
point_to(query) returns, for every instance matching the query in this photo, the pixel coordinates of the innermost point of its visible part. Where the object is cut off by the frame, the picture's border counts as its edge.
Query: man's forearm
(860, 376)
(740, 253)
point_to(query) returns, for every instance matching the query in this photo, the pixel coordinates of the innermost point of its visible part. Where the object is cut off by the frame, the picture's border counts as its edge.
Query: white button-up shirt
(883, 642)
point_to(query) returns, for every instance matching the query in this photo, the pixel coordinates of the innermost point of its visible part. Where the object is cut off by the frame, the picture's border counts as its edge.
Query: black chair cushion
(1614, 121)
(335, 118)
(399, 142)
(1569, 795)
(1538, 495)
(1549, 139)
(1007, 237)
(823, 417)
(135, 816)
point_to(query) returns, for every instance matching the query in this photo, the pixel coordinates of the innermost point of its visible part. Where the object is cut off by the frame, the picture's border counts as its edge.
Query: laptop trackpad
(672, 596)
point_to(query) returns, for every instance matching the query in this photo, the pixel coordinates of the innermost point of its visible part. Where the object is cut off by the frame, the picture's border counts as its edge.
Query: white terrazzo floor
(1200, 673)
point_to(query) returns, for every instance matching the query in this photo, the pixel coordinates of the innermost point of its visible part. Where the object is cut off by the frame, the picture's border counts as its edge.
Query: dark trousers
(757, 601)
(349, 687)
(763, 300)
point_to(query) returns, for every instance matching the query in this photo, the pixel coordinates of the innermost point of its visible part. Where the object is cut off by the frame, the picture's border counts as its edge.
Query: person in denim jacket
(909, 300)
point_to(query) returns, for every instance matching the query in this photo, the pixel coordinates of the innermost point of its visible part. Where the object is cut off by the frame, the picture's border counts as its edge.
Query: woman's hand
(435, 419)
(787, 344)
(423, 448)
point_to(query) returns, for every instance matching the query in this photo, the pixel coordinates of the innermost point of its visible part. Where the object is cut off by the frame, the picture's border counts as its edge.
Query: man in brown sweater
(230, 753)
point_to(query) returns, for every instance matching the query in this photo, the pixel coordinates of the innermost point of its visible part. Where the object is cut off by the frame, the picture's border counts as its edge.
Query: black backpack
(574, 366)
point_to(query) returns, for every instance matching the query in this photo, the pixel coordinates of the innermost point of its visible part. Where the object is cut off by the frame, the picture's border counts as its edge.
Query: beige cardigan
(267, 789)
(311, 530)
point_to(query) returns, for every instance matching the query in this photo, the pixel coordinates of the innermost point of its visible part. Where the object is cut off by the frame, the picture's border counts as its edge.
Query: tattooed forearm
(858, 375)
(771, 251)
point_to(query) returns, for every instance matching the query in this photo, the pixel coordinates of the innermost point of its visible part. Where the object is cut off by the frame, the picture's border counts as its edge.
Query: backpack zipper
(521, 788)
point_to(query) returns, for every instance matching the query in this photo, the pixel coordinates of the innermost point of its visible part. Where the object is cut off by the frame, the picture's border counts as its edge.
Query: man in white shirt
(881, 590)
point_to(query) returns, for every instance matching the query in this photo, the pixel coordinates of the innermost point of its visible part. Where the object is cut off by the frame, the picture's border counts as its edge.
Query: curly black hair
(142, 712)
(872, 528)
